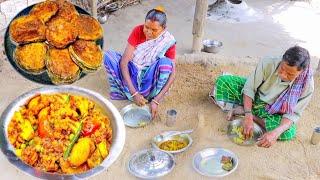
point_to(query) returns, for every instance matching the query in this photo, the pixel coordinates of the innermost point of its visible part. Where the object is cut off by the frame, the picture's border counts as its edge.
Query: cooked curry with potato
(60, 133)
(172, 145)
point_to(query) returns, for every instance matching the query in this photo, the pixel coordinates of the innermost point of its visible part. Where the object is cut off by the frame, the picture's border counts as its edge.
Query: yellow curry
(239, 138)
(172, 145)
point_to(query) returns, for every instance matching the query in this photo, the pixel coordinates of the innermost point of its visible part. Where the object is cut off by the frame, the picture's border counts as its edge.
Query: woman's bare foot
(235, 111)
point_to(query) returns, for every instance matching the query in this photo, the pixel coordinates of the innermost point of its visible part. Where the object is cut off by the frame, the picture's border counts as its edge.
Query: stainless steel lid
(151, 163)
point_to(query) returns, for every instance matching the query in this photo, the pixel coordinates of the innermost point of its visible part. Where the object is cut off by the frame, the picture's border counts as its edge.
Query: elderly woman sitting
(146, 70)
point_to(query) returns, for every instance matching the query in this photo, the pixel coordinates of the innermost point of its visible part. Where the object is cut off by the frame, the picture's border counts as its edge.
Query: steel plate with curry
(60, 133)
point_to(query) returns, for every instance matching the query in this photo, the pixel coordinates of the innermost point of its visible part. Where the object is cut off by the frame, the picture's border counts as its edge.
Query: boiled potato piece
(27, 130)
(18, 116)
(81, 152)
(83, 106)
(34, 102)
(66, 168)
(95, 159)
(43, 114)
(103, 148)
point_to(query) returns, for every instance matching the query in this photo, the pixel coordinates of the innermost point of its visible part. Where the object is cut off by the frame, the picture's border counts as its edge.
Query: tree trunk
(199, 24)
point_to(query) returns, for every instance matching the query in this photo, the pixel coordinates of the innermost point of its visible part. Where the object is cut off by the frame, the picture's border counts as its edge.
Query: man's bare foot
(235, 111)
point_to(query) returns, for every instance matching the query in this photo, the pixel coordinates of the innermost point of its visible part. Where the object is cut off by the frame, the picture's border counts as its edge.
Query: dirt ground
(297, 159)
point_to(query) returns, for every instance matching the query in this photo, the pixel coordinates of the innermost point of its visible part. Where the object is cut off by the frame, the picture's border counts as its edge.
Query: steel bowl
(212, 46)
(103, 18)
(157, 140)
(118, 131)
(207, 162)
(235, 1)
(257, 132)
(135, 116)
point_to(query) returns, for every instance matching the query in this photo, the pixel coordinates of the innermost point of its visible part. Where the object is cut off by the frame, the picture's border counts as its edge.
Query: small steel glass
(171, 117)
(315, 138)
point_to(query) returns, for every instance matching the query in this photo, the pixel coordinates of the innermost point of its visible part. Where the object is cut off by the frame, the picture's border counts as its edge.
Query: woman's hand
(248, 126)
(154, 109)
(139, 100)
(268, 139)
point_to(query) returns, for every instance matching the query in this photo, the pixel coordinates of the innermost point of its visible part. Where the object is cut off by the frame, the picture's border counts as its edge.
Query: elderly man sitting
(274, 95)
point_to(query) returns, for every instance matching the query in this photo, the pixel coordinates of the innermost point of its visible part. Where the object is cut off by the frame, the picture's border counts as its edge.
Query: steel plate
(257, 132)
(135, 116)
(207, 162)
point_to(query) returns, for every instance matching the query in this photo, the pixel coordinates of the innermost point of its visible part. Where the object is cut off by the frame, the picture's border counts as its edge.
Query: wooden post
(199, 24)
(94, 8)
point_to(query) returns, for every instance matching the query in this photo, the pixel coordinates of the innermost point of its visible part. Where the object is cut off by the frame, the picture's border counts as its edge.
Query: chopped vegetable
(226, 163)
(81, 152)
(71, 136)
(95, 159)
(89, 128)
(73, 141)
(34, 102)
(18, 152)
(83, 107)
(43, 115)
(74, 126)
(27, 130)
(238, 131)
(103, 148)
(35, 127)
(18, 116)
(38, 148)
(22, 146)
(66, 98)
(142, 123)
(31, 142)
(238, 140)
